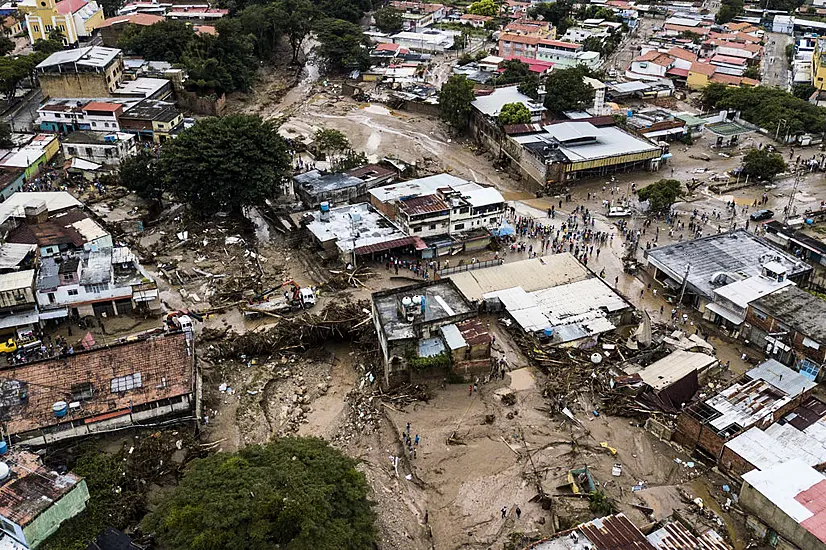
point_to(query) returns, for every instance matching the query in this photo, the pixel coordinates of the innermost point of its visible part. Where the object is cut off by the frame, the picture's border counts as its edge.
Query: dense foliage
(558, 13)
(763, 164)
(566, 91)
(455, 100)
(514, 113)
(225, 164)
(514, 71)
(296, 493)
(660, 194)
(729, 9)
(767, 107)
(388, 19)
(488, 8)
(140, 174)
(342, 45)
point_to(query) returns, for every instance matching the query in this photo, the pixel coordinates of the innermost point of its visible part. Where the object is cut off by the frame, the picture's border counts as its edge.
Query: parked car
(761, 215)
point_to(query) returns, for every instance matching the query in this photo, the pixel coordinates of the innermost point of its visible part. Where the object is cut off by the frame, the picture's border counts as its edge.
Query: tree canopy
(661, 194)
(767, 107)
(729, 9)
(455, 100)
(141, 175)
(567, 91)
(296, 493)
(6, 45)
(388, 19)
(342, 44)
(557, 13)
(514, 71)
(762, 164)
(514, 113)
(488, 8)
(225, 164)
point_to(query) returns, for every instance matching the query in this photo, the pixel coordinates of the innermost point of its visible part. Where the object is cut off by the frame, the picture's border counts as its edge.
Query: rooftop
(142, 87)
(90, 56)
(82, 137)
(674, 367)
(144, 19)
(109, 381)
(615, 532)
(721, 259)
(674, 536)
(441, 301)
(414, 188)
(741, 293)
(16, 280)
(56, 201)
(424, 204)
(796, 489)
(354, 226)
(31, 488)
(798, 309)
(12, 254)
(491, 104)
(531, 275)
(315, 182)
(582, 141)
(152, 109)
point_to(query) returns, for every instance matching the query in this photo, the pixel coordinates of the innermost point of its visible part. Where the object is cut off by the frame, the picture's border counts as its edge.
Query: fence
(468, 267)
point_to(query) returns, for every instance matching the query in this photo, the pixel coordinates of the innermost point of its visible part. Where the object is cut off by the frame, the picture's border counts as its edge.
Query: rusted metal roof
(426, 204)
(615, 533)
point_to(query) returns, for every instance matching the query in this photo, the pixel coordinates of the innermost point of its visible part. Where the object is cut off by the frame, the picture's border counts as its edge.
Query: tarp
(503, 230)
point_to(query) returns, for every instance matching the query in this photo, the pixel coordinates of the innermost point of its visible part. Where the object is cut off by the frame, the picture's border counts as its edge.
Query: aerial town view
(399, 275)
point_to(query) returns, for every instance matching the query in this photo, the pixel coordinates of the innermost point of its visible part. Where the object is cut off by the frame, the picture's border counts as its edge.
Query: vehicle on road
(761, 215)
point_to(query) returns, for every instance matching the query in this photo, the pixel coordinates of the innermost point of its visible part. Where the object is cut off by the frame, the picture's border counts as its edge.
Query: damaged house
(103, 389)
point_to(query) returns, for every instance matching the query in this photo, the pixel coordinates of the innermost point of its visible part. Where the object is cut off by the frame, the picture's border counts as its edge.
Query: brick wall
(734, 464)
(691, 434)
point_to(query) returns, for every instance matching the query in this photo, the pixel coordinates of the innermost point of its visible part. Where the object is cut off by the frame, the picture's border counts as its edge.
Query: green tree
(219, 64)
(752, 72)
(225, 164)
(331, 141)
(388, 19)
(141, 174)
(567, 91)
(514, 71)
(762, 164)
(163, 41)
(455, 100)
(530, 87)
(111, 7)
(47, 47)
(298, 18)
(803, 91)
(487, 8)
(264, 22)
(660, 195)
(12, 73)
(593, 44)
(6, 45)
(514, 113)
(557, 13)
(729, 9)
(296, 493)
(5, 136)
(342, 44)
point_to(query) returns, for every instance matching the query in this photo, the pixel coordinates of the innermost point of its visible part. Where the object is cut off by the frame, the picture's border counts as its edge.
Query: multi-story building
(819, 65)
(153, 119)
(93, 71)
(74, 19)
(417, 15)
(100, 148)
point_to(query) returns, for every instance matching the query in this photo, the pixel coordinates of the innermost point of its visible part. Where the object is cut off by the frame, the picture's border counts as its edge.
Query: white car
(618, 212)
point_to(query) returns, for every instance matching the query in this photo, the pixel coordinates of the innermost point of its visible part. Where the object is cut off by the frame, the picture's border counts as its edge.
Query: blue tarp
(503, 230)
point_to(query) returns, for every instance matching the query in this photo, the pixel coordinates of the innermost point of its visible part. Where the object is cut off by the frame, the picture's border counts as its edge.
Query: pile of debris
(349, 278)
(339, 320)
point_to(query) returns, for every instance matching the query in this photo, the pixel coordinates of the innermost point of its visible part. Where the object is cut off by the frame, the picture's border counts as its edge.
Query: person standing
(504, 511)
(518, 512)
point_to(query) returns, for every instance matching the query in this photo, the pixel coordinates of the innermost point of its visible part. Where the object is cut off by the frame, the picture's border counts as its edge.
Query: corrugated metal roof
(615, 533)
(782, 377)
(675, 536)
(674, 367)
(453, 337)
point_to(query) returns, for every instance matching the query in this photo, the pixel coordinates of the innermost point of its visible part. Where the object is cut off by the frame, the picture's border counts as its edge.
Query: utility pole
(685, 283)
(788, 212)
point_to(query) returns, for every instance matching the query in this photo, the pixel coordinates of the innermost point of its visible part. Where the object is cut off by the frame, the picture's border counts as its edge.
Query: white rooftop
(782, 483)
(16, 280)
(674, 367)
(491, 104)
(90, 56)
(609, 141)
(415, 188)
(353, 226)
(741, 293)
(55, 201)
(143, 86)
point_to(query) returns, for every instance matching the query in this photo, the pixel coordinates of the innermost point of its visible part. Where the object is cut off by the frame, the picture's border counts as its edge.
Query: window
(82, 391)
(72, 292)
(493, 220)
(68, 276)
(464, 210)
(94, 124)
(759, 314)
(7, 526)
(458, 226)
(432, 226)
(808, 369)
(106, 124)
(126, 383)
(51, 297)
(90, 151)
(72, 150)
(96, 288)
(417, 229)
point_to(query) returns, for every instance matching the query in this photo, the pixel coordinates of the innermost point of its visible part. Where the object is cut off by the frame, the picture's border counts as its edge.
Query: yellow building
(74, 19)
(93, 71)
(699, 75)
(819, 65)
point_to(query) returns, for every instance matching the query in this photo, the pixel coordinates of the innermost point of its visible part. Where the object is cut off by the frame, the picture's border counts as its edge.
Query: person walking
(518, 512)
(504, 511)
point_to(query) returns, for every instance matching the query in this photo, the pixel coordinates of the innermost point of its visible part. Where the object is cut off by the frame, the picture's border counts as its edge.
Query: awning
(391, 244)
(726, 314)
(54, 314)
(145, 295)
(19, 319)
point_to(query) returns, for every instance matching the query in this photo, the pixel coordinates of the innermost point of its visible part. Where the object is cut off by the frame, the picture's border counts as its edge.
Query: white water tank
(4, 470)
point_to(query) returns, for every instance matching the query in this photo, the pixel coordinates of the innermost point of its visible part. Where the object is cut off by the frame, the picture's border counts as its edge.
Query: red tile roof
(674, 71)
(143, 19)
(102, 106)
(426, 204)
(164, 364)
(814, 499)
(728, 59)
(205, 29)
(682, 28)
(519, 39)
(703, 68)
(680, 53)
(66, 7)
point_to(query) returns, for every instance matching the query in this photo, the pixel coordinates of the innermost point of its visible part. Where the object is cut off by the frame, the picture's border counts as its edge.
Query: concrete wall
(66, 508)
(8, 298)
(190, 101)
(763, 508)
(74, 85)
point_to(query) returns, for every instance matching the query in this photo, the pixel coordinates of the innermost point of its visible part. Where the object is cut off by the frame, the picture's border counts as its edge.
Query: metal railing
(468, 267)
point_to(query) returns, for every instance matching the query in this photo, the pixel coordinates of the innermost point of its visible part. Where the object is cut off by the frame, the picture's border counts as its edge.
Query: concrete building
(316, 186)
(783, 24)
(93, 71)
(18, 308)
(99, 390)
(718, 260)
(152, 120)
(788, 324)
(791, 499)
(417, 16)
(731, 301)
(34, 500)
(675, 378)
(71, 231)
(555, 296)
(31, 156)
(74, 19)
(490, 105)
(799, 435)
(407, 320)
(766, 393)
(425, 41)
(12, 180)
(107, 149)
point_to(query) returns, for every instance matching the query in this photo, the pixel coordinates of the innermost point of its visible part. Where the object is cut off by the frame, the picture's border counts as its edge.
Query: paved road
(23, 116)
(775, 66)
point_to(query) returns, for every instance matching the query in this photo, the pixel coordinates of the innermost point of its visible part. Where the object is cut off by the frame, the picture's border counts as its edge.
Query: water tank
(549, 331)
(407, 301)
(4, 447)
(4, 470)
(60, 409)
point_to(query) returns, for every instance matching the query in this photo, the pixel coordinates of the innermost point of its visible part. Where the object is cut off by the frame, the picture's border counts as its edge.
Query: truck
(273, 302)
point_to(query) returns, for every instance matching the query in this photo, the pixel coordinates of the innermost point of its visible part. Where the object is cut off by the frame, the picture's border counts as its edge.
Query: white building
(783, 24)
(100, 148)
(581, 34)
(491, 105)
(426, 41)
